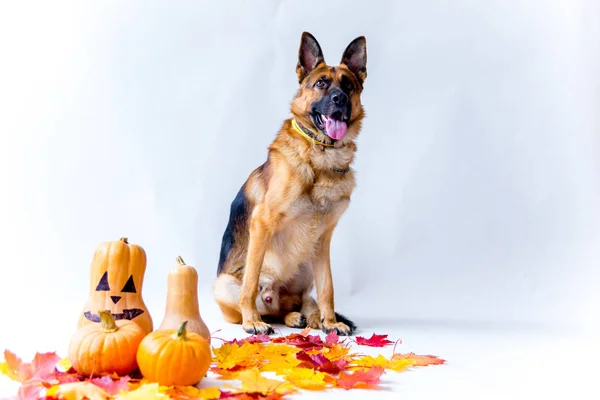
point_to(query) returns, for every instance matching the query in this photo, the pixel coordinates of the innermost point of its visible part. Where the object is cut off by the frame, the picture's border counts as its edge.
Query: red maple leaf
(321, 363)
(374, 341)
(250, 339)
(42, 367)
(332, 338)
(111, 386)
(63, 377)
(301, 341)
(360, 379)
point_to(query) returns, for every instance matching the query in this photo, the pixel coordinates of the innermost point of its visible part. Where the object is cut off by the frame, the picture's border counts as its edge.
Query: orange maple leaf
(191, 393)
(360, 379)
(336, 352)
(418, 360)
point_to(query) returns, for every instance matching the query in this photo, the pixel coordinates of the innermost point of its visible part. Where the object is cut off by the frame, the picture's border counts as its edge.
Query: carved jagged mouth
(129, 313)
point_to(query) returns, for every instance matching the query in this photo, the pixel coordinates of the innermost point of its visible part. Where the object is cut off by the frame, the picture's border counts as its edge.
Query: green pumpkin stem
(181, 332)
(180, 260)
(107, 321)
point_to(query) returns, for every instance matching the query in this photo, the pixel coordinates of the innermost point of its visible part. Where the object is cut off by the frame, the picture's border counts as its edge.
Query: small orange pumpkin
(105, 348)
(182, 300)
(116, 277)
(174, 357)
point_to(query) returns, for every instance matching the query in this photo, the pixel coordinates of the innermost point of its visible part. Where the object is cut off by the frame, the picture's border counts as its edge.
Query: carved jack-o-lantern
(116, 277)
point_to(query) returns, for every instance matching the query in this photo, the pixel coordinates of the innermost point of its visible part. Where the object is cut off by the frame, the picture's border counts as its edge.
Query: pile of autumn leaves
(296, 361)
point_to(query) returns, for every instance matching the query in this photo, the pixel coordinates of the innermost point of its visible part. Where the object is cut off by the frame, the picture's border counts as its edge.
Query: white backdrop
(478, 175)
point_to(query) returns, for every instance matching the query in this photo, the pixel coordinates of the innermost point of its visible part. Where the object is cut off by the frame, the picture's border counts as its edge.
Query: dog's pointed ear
(309, 55)
(355, 58)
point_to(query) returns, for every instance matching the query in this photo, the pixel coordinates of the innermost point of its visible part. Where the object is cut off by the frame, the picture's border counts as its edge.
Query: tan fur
(295, 202)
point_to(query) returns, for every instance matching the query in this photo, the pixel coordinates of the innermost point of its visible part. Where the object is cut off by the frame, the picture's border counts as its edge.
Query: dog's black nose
(339, 98)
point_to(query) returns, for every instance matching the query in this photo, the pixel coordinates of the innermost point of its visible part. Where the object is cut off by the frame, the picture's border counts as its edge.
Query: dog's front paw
(295, 320)
(339, 328)
(257, 328)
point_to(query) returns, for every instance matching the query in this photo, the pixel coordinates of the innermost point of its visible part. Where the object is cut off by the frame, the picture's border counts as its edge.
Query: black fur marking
(302, 323)
(342, 319)
(254, 331)
(237, 217)
(346, 84)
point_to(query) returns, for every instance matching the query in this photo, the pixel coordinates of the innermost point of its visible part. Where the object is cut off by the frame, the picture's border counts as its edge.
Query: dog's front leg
(260, 235)
(324, 284)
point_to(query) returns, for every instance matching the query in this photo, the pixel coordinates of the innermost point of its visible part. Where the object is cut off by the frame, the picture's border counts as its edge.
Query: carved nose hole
(115, 299)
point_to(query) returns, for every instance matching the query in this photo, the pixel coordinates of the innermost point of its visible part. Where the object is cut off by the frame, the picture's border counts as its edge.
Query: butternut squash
(116, 278)
(182, 301)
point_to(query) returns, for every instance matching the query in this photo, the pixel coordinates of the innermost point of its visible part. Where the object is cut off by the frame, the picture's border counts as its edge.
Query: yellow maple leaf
(143, 392)
(191, 392)
(5, 370)
(230, 355)
(307, 378)
(64, 364)
(254, 382)
(277, 363)
(275, 349)
(399, 365)
(78, 391)
(366, 362)
(369, 361)
(136, 383)
(225, 373)
(52, 391)
(209, 393)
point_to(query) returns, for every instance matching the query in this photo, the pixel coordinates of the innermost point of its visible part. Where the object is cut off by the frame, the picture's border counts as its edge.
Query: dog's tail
(342, 319)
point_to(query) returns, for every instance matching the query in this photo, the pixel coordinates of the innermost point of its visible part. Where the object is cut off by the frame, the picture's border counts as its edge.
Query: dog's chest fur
(321, 204)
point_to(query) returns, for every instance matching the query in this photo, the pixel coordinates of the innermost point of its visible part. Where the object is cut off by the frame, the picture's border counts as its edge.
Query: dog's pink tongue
(335, 129)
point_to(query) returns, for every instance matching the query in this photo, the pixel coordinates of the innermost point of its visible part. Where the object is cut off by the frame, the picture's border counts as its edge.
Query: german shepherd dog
(276, 245)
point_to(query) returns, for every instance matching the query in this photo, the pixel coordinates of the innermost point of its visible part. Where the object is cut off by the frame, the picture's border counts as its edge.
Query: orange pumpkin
(116, 278)
(174, 357)
(105, 348)
(182, 301)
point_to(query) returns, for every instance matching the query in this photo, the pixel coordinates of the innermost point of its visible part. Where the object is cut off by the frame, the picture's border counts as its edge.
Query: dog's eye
(320, 83)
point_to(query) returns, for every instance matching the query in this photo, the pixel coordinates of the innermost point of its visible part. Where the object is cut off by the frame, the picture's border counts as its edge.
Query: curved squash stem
(180, 260)
(124, 239)
(107, 321)
(181, 332)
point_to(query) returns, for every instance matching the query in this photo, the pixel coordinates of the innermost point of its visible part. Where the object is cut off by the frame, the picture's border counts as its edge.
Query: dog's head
(328, 100)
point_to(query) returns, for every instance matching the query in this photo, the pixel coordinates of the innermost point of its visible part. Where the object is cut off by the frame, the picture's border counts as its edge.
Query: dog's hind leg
(227, 290)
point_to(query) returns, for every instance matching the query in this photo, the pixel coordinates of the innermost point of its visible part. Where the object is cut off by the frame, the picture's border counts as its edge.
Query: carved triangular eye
(103, 284)
(129, 286)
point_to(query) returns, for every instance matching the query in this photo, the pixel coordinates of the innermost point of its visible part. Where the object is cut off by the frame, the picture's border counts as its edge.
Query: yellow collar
(307, 133)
